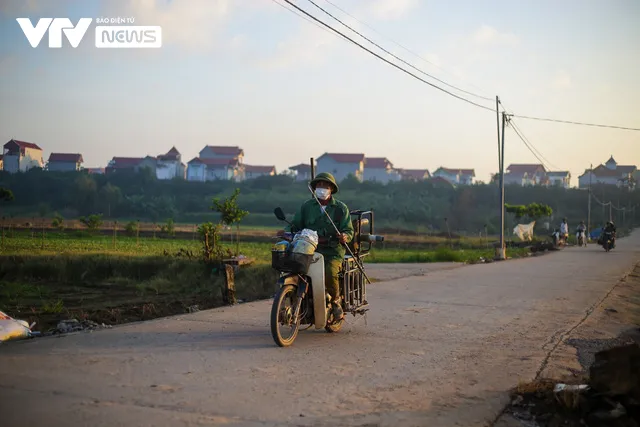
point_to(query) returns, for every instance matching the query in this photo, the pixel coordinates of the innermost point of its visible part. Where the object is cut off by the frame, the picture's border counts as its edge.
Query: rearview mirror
(279, 213)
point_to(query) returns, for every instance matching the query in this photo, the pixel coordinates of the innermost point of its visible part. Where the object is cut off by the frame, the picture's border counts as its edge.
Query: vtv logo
(55, 26)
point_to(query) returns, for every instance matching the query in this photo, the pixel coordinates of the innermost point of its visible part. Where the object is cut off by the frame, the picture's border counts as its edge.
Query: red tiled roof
(23, 144)
(558, 173)
(259, 169)
(624, 169)
(225, 150)
(471, 172)
(344, 158)
(415, 173)
(66, 157)
(215, 162)
(300, 167)
(377, 163)
(172, 154)
(521, 169)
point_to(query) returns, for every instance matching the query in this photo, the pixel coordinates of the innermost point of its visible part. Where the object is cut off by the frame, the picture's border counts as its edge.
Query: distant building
(21, 156)
(342, 165)
(456, 176)
(414, 174)
(96, 171)
(302, 171)
(211, 169)
(64, 162)
(251, 172)
(610, 174)
(222, 152)
(380, 169)
(525, 174)
(170, 166)
(134, 164)
(559, 179)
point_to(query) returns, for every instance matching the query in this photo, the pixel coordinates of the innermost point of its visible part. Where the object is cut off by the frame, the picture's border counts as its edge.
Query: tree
(231, 213)
(92, 222)
(6, 195)
(111, 195)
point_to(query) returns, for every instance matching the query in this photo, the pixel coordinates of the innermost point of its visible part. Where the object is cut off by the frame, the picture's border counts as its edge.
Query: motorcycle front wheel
(282, 314)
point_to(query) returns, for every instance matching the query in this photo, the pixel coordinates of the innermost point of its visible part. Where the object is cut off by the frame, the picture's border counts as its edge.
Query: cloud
(562, 80)
(310, 45)
(488, 36)
(391, 9)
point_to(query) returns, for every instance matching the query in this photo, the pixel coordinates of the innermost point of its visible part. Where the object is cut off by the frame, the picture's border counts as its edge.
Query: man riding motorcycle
(610, 228)
(311, 216)
(582, 228)
(564, 230)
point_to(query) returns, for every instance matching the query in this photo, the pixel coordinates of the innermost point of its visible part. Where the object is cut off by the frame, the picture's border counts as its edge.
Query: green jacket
(311, 216)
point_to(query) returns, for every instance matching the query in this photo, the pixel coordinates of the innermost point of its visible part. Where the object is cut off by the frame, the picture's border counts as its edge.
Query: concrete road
(438, 350)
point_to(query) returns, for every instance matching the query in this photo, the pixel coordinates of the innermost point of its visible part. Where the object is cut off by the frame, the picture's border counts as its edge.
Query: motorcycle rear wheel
(277, 309)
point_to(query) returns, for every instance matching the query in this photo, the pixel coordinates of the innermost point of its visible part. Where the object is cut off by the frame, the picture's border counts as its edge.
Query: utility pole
(313, 169)
(589, 209)
(502, 254)
(610, 206)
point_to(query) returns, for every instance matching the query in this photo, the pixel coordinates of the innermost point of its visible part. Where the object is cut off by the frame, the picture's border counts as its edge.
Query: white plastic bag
(13, 329)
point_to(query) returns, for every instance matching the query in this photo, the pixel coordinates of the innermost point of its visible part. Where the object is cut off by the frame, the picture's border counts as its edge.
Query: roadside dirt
(613, 323)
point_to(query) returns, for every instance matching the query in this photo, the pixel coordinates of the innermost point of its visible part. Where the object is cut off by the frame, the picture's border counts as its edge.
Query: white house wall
(196, 172)
(340, 171)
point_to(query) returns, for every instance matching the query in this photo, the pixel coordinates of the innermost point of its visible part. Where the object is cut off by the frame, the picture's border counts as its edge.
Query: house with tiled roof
(414, 174)
(525, 174)
(64, 162)
(20, 156)
(559, 179)
(170, 166)
(380, 169)
(342, 165)
(456, 176)
(611, 173)
(302, 172)
(222, 152)
(134, 164)
(212, 169)
(250, 171)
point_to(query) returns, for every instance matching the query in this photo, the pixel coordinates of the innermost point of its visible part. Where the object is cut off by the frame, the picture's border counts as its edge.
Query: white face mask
(323, 193)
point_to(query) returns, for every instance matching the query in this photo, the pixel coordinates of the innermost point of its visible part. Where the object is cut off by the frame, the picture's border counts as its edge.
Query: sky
(253, 74)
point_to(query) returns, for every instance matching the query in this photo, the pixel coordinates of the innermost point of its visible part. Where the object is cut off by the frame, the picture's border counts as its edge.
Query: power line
(399, 45)
(513, 123)
(576, 123)
(303, 17)
(529, 147)
(389, 62)
(392, 54)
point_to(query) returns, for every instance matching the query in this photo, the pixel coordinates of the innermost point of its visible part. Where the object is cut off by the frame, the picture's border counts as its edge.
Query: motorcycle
(608, 240)
(555, 236)
(581, 238)
(302, 298)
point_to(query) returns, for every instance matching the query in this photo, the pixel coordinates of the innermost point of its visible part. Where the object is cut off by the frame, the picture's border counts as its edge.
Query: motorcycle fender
(316, 274)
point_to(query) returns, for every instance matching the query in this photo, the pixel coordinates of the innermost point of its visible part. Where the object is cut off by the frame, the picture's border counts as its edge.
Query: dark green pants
(332, 267)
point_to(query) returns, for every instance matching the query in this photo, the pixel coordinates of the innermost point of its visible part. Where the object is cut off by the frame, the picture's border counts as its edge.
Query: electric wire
(408, 50)
(387, 61)
(576, 123)
(392, 54)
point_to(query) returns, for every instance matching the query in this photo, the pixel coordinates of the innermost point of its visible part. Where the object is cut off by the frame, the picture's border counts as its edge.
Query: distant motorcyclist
(581, 233)
(564, 229)
(610, 228)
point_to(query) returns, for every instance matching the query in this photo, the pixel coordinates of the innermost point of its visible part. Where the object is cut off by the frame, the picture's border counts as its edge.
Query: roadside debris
(611, 398)
(73, 325)
(14, 329)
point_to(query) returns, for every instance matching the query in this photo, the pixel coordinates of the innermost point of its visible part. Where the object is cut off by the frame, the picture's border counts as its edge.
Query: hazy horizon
(252, 74)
